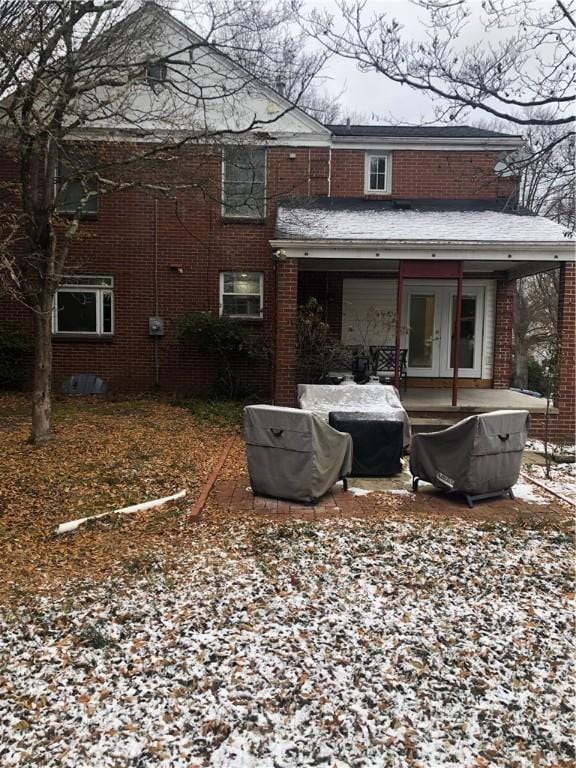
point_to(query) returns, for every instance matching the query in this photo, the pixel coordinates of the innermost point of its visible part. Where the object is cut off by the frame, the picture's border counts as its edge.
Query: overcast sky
(380, 100)
(371, 94)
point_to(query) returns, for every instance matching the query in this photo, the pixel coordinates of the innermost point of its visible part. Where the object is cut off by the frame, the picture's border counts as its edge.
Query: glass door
(422, 333)
(471, 332)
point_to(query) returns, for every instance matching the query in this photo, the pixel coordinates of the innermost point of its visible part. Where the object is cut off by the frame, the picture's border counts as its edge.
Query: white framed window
(84, 305)
(76, 186)
(244, 182)
(378, 174)
(156, 73)
(241, 294)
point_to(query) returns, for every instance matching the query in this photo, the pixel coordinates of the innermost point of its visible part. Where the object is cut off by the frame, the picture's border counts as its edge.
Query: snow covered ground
(356, 643)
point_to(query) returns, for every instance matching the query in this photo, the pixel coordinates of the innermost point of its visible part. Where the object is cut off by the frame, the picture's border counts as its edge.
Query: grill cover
(382, 399)
(293, 454)
(481, 454)
(377, 442)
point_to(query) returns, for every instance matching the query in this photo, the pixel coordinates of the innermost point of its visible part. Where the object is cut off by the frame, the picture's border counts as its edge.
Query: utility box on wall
(156, 326)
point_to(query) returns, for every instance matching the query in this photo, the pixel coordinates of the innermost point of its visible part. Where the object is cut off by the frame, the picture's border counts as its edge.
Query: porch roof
(414, 222)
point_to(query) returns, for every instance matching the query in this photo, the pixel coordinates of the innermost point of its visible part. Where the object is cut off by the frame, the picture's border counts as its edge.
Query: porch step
(421, 424)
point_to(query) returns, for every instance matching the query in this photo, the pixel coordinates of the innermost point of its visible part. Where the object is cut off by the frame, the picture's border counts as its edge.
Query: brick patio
(234, 496)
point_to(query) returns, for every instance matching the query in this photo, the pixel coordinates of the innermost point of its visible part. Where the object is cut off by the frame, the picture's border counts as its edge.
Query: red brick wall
(502, 373)
(286, 335)
(191, 235)
(431, 174)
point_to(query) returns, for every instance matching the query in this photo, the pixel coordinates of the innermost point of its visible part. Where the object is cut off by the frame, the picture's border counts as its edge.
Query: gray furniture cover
(293, 454)
(480, 455)
(84, 384)
(382, 399)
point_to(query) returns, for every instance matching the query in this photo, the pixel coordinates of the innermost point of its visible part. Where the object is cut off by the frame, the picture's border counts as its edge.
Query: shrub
(230, 341)
(14, 348)
(317, 348)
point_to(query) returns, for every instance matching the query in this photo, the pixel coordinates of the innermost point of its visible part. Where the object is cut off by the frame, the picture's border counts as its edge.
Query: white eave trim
(425, 144)
(553, 251)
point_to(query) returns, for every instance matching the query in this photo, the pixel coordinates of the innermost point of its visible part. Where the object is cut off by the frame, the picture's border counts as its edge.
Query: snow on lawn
(349, 643)
(562, 478)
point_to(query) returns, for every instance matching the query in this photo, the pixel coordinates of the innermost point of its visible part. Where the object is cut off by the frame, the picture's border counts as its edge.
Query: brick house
(395, 218)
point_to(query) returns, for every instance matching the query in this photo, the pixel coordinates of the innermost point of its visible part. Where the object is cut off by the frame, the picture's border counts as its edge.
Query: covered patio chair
(294, 454)
(479, 457)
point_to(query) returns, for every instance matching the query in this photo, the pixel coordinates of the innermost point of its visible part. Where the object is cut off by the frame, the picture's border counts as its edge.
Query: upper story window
(241, 294)
(244, 183)
(84, 305)
(156, 73)
(76, 186)
(377, 174)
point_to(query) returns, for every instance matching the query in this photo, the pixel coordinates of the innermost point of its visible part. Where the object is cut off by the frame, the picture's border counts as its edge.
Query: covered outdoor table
(293, 454)
(377, 442)
(381, 399)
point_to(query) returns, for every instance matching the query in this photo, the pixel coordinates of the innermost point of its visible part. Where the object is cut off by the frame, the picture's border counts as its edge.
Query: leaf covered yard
(106, 455)
(402, 635)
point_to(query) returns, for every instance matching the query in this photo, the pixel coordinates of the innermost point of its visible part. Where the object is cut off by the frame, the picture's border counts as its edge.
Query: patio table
(376, 439)
(378, 399)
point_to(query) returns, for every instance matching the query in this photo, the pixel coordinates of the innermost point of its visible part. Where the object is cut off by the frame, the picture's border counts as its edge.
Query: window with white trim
(156, 73)
(84, 305)
(244, 182)
(241, 294)
(76, 186)
(377, 173)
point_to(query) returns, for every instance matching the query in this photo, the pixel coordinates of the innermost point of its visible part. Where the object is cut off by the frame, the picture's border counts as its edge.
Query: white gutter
(428, 249)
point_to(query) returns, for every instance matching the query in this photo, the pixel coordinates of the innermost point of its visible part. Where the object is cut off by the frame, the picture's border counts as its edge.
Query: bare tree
(535, 320)
(522, 71)
(100, 97)
(548, 175)
(265, 38)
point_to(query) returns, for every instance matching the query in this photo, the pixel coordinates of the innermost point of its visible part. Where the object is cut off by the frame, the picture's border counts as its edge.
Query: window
(156, 73)
(241, 294)
(377, 174)
(244, 183)
(84, 305)
(76, 186)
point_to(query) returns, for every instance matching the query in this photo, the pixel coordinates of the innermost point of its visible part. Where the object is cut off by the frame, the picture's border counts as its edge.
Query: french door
(429, 330)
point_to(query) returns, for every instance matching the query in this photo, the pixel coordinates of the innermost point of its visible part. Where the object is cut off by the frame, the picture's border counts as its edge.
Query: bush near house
(14, 347)
(317, 347)
(230, 342)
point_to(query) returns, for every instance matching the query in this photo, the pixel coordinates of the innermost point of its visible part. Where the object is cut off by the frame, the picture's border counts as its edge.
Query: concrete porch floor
(470, 401)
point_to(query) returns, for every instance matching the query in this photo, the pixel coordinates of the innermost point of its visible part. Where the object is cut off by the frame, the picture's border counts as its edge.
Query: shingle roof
(412, 221)
(419, 132)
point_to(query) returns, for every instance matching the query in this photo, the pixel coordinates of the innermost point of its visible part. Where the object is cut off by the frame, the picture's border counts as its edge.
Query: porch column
(286, 325)
(502, 373)
(565, 398)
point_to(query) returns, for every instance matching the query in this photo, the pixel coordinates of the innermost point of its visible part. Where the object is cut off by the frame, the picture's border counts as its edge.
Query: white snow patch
(359, 491)
(379, 644)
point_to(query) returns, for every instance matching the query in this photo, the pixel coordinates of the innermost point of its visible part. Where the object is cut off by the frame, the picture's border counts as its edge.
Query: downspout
(156, 297)
(329, 171)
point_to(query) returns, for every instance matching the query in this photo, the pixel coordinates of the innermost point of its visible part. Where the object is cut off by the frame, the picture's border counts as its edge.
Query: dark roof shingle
(418, 132)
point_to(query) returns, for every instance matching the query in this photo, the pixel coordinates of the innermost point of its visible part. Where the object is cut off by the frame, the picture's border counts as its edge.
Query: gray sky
(371, 94)
(380, 100)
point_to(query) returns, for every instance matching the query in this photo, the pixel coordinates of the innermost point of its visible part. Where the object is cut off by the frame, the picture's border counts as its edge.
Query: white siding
(369, 310)
(489, 324)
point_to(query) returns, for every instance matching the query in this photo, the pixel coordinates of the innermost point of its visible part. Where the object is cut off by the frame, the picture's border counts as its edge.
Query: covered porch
(447, 299)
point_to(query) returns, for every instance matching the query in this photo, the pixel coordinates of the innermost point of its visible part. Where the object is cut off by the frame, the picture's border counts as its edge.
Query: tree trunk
(42, 393)
(520, 365)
